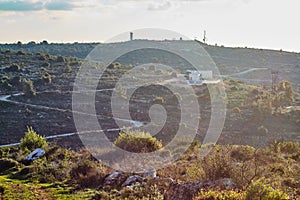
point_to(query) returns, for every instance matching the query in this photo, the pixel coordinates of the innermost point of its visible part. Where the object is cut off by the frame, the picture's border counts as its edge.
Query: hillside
(229, 60)
(257, 153)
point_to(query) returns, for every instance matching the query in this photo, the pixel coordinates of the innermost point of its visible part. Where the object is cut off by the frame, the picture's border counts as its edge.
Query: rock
(183, 191)
(132, 180)
(150, 173)
(190, 189)
(225, 183)
(36, 154)
(112, 178)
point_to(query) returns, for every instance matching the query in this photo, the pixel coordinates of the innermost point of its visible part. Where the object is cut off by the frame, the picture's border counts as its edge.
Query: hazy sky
(270, 24)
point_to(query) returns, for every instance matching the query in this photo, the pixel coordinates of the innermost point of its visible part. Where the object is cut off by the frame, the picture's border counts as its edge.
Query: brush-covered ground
(227, 172)
(257, 156)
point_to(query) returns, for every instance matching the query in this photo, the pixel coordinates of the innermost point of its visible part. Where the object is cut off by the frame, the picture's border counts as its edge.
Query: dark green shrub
(32, 140)
(6, 163)
(138, 142)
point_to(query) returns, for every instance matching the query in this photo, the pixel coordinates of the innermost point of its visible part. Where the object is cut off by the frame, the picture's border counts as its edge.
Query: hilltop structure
(200, 77)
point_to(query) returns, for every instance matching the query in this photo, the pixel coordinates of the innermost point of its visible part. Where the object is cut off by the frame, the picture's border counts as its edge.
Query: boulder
(132, 180)
(112, 178)
(36, 154)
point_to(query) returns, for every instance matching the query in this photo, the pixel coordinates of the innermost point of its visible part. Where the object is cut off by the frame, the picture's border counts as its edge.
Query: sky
(269, 24)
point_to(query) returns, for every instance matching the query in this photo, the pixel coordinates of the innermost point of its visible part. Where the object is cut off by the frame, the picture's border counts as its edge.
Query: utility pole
(131, 36)
(204, 38)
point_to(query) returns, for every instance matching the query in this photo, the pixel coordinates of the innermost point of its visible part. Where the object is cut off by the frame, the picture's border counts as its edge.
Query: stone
(36, 154)
(110, 179)
(150, 173)
(132, 180)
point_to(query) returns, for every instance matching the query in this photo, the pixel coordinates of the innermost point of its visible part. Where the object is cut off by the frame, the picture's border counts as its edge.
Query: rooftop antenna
(131, 36)
(204, 38)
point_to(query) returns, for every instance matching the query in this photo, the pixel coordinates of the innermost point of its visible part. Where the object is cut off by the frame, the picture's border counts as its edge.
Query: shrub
(138, 192)
(174, 74)
(217, 164)
(260, 191)
(32, 140)
(88, 174)
(152, 68)
(6, 163)
(138, 142)
(46, 172)
(262, 130)
(195, 172)
(219, 195)
(243, 153)
(61, 59)
(13, 68)
(47, 78)
(68, 69)
(289, 147)
(28, 88)
(236, 110)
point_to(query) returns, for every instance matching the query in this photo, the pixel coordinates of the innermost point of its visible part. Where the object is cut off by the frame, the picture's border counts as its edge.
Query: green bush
(32, 140)
(138, 142)
(259, 191)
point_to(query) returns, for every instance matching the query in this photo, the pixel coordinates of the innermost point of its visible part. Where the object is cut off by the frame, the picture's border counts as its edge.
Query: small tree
(32, 140)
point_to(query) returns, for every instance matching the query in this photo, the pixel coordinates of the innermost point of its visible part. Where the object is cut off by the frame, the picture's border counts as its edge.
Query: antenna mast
(204, 38)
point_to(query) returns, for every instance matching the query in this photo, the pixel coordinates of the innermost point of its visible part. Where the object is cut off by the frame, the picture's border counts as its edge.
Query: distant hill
(250, 65)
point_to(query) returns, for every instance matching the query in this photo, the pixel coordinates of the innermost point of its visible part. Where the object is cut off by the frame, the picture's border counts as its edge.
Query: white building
(197, 77)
